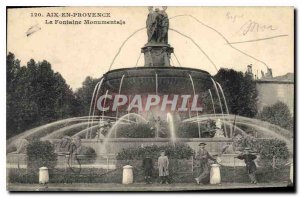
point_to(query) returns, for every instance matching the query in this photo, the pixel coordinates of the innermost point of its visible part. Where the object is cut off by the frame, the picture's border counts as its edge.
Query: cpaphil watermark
(174, 102)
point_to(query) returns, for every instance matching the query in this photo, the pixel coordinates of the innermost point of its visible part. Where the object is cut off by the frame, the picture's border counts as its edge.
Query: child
(163, 167)
(148, 167)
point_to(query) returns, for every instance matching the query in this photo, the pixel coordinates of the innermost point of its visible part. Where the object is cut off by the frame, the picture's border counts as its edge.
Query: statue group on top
(157, 25)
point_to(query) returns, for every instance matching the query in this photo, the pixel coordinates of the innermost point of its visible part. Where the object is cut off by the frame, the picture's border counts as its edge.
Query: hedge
(267, 149)
(40, 153)
(180, 151)
(228, 174)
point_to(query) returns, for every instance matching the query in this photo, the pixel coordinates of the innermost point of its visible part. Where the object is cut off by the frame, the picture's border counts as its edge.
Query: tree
(35, 95)
(240, 92)
(84, 95)
(12, 67)
(278, 114)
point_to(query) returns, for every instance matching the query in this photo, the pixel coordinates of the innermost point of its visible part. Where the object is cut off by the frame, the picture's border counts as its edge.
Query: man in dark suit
(250, 164)
(202, 158)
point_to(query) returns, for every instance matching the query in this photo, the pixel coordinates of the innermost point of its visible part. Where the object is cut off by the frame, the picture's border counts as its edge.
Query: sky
(206, 38)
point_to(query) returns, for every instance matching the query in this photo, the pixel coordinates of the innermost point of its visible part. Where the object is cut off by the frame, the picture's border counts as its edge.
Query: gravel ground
(140, 187)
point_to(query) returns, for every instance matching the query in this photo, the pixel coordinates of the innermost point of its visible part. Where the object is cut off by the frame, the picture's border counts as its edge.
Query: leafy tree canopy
(278, 114)
(240, 92)
(84, 95)
(35, 95)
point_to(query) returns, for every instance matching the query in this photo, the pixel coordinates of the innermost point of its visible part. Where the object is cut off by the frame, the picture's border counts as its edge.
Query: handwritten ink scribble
(260, 39)
(253, 26)
(233, 17)
(220, 34)
(32, 30)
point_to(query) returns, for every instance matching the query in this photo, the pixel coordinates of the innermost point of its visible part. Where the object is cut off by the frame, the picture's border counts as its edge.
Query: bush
(190, 130)
(141, 130)
(180, 151)
(87, 175)
(87, 155)
(40, 153)
(278, 114)
(21, 176)
(267, 149)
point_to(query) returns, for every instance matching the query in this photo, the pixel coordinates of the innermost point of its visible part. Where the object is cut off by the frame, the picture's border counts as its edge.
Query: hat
(202, 143)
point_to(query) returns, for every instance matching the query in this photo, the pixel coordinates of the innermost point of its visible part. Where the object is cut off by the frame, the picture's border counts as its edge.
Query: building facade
(271, 91)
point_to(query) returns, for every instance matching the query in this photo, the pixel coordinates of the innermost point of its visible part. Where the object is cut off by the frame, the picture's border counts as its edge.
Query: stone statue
(157, 51)
(219, 124)
(157, 25)
(152, 24)
(163, 26)
(219, 131)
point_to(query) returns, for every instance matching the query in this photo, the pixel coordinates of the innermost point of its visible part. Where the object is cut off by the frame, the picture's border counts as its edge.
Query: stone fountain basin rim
(157, 67)
(159, 140)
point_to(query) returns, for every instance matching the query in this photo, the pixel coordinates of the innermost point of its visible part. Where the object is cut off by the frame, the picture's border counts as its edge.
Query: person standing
(163, 167)
(250, 164)
(202, 158)
(148, 168)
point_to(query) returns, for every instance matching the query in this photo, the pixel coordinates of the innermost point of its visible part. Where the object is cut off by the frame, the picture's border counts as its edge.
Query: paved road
(137, 187)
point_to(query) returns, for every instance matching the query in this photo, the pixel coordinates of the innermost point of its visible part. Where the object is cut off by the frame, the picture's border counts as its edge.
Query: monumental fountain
(158, 95)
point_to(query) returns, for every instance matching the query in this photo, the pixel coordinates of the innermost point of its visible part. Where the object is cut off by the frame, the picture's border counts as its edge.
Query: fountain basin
(164, 80)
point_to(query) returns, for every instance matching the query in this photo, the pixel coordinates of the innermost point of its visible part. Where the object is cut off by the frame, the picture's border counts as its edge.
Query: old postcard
(156, 98)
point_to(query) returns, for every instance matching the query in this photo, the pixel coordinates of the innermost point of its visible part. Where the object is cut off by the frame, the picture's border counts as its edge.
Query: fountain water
(177, 59)
(212, 101)
(192, 81)
(171, 80)
(266, 129)
(120, 88)
(220, 102)
(61, 132)
(170, 120)
(225, 103)
(221, 89)
(93, 101)
(117, 123)
(86, 130)
(46, 129)
(156, 83)
(104, 105)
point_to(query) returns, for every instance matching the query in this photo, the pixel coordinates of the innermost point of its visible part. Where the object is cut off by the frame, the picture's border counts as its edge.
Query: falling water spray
(171, 128)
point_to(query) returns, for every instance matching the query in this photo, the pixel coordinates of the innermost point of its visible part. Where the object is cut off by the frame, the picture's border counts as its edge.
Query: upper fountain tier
(157, 75)
(157, 51)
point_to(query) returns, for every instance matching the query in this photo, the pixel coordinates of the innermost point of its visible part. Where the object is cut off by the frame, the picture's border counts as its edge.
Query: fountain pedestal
(215, 175)
(127, 175)
(157, 55)
(43, 175)
(292, 173)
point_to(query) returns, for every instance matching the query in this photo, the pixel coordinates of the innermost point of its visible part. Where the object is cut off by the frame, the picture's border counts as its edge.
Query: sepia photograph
(150, 98)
